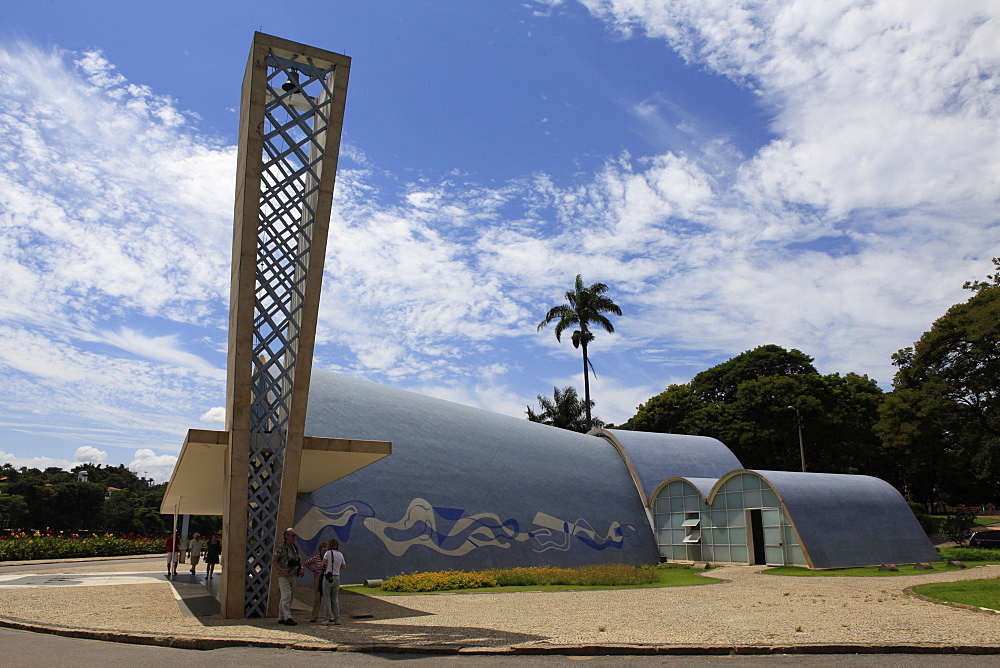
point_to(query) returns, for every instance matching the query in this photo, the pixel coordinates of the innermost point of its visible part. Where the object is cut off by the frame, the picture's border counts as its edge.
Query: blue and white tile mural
(466, 489)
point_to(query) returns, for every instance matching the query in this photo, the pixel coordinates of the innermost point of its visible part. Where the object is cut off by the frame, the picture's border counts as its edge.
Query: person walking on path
(195, 550)
(333, 563)
(212, 554)
(315, 564)
(288, 562)
(173, 554)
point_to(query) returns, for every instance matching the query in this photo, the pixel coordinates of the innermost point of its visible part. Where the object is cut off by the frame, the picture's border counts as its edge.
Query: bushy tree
(745, 401)
(942, 418)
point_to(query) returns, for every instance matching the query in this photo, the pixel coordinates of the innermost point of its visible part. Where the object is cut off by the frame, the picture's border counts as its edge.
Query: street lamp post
(802, 449)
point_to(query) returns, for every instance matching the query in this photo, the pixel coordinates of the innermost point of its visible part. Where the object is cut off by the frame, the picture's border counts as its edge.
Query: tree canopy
(744, 402)
(943, 415)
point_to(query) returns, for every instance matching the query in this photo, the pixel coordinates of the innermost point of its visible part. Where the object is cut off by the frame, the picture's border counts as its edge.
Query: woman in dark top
(212, 554)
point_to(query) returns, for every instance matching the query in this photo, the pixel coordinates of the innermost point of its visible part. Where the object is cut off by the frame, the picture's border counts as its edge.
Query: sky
(821, 176)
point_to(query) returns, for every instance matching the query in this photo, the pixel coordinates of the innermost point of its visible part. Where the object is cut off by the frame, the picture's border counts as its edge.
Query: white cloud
(216, 414)
(91, 455)
(148, 464)
(40, 463)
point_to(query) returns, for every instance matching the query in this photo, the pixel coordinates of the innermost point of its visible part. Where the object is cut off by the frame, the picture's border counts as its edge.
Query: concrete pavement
(750, 613)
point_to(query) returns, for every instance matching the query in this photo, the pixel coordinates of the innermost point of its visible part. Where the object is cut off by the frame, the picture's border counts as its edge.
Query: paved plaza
(133, 600)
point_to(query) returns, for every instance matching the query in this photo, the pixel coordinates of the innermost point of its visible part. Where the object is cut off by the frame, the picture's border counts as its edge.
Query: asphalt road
(23, 649)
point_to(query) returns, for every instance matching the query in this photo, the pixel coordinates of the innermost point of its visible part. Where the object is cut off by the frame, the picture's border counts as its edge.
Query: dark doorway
(757, 535)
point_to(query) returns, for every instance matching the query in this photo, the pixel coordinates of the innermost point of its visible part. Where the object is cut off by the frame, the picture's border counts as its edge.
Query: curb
(78, 560)
(192, 643)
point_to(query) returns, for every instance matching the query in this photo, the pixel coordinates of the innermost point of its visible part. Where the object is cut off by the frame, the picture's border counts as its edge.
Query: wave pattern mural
(446, 530)
(450, 531)
(340, 518)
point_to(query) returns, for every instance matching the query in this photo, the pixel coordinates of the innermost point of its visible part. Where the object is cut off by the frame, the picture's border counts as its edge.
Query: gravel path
(750, 609)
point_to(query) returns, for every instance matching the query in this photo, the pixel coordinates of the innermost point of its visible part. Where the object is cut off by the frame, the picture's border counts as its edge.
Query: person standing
(173, 554)
(194, 548)
(212, 554)
(288, 562)
(333, 563)
(315, 564)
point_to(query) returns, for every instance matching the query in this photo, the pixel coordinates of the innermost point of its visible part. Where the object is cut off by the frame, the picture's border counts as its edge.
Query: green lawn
(869, 571)
(669, 577)
(980, 593)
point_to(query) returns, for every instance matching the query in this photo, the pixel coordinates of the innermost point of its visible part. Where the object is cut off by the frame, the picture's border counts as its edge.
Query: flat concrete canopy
(196, 486)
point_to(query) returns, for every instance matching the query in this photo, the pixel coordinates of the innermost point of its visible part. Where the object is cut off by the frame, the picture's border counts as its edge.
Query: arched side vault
(653, 457)
(850, 520)
(466, 488)
(820, 520)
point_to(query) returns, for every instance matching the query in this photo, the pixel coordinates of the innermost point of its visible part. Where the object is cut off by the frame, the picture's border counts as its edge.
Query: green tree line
(112, 499)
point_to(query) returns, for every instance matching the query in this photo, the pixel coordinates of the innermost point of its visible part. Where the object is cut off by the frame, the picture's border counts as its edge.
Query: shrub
(24, 547)
(958, 525)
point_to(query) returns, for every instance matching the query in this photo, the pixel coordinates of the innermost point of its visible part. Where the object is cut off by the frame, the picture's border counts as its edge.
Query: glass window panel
(706, 520)
(795, 556)
(677, 536)
(676, 488)
(680, 552)
(770, 517)
(662, 504)
(676, 504)
(663, 537)
(738, 554)
(769, 498)
(691, 503)
(661, 521)
(693, 537)
(772, 535)
(774, 556)
(721, 553)
(734, 484)
(707, 552)
(720, 518)
(738, 536)
(752, 498)
(736, 518)
(691, 522)
(789, 535)
(720, 536)
(694, 552)
(750, 481)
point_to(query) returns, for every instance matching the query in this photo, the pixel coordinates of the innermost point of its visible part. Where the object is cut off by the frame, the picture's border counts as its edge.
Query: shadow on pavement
(365, 621)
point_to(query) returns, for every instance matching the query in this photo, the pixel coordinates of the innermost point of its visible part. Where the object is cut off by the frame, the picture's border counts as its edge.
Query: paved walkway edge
(188, 642)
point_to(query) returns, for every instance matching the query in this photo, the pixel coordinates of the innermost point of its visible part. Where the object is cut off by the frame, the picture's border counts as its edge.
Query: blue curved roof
(466, 488)
(850, 520)
(652, 458)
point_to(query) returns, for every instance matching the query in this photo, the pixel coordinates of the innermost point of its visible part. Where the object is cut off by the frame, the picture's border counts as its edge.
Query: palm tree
(587, 304)
(564, 410)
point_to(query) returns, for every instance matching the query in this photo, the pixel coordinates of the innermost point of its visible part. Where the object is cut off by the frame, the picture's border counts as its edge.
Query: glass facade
(744, 525)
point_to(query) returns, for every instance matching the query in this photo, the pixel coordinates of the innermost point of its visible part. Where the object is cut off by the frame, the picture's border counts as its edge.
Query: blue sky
(822, 176)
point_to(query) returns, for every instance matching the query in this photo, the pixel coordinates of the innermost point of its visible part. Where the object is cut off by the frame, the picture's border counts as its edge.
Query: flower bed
(24, 547)
(610, 575)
